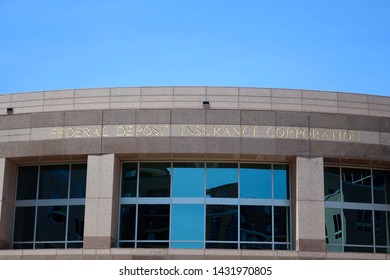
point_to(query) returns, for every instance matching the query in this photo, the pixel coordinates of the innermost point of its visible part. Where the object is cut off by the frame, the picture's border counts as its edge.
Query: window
(357, 209)
(49, 206)
(204, 205)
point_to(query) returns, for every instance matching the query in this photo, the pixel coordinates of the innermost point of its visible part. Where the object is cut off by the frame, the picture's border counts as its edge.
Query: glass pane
(256, 246)
(27, 182)
(152, 245)
(281, 224)
(358, 227)
(282, 247)
(221, 245)
(356, 185)
(129, 180)
(222, 180)
(78, 181)
(255, 181)
(381, 186)
(256, 223)
(332, 183)
(333, 226)
(187, 222)
(334, 248)
(221, 223)
(24, 224)
(49, 245)
(382, 228)
(188, 180)
(187, 245)
(153, 222)
(51, 223)
(127, 226)
(76, 223)
(53, 181)
(358, 249)
(281, 181)
(23, 246)
(74, 245)
(126, 244)
(155, 180)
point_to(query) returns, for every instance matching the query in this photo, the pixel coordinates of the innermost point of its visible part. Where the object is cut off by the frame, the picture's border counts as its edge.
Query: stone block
(363, 123)
(152, 145)
(352, 97)
(320, 108)
(119, 145)
(292, 147)
(257, 92)
(310, 218)
(56, 108)
(92, 92)
(153, 116)
(309, 176)
(221, 91)
(319, 95)
(257, 118)
(312, 255)
(83, 118)
(187, 145)
(384, 125)
(97, 220)
(180, 91)
(254, 106)
(126, 91)
(113, 117)
(292, 119)
(374, 99)
(125, 105)
(89, 105)
(258, 146)
(222, 254)
(154, 91)
(100, 176)
(215, 145)
(259, 255)
(59, 94)
(47, 119)
(15, 121)
(364, 151)
(188, 116)
(287, 105)
(81, 146)
(357, 105)
(187, 105)
(311, 245)
(27, 96)
(233, 104)
(222, 117)
(328, 149)
(286, 93)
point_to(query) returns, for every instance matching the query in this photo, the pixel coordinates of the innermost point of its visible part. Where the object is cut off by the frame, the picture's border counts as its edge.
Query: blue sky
(322, 44)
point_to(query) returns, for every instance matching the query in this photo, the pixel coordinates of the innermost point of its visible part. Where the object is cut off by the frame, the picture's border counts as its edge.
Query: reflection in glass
(357, 227)
(23, 246)
(356, 185)
(221, 223)
(188, 179)
(53, 181)
(49, 245)
(381, 180)
(281, 224)
(222, 180)
(221, 245)
(281, 181)
(255, 181)
(24, 224)
(127, 216)
(153, 222)
(27, 182)
(76, 223)
(334, 248)
(256, 246)
(358, 249)
(155, 180)
(256, 223)
(51, 223)
(382, 234)
(129, 180)
(152, 245)
(187, 222)
(74, 245)
(333, 226)
(187, 245)
(332, 183)
(78, 180)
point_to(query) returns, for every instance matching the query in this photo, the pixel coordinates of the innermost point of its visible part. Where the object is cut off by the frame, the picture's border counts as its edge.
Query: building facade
(194, 173)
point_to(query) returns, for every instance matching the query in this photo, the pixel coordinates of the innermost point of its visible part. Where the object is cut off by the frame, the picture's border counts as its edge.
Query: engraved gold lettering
(54, 133)
(86, 132)
(104, 134)
(325, 136)
(96, 132)
(216, 131)
(69, 132)
(270, 132)
(355, 136)
(314, 134)
(78, 132)
(244, 129)
(305, 133)
(226, 131)
(279, 132)
(236, 132)
(290, 133)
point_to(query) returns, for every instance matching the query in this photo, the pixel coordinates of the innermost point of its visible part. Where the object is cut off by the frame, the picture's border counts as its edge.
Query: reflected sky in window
(187, 222)
(281, 182)
(222, 180)
(255, 181)
(188, 180)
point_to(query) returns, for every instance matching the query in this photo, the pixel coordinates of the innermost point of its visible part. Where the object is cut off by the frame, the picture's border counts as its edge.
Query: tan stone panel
(59, 94)
(92, 92)
(97, 219)
(258, 92)
(310, 220)
(180, 91)
(321, 95)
